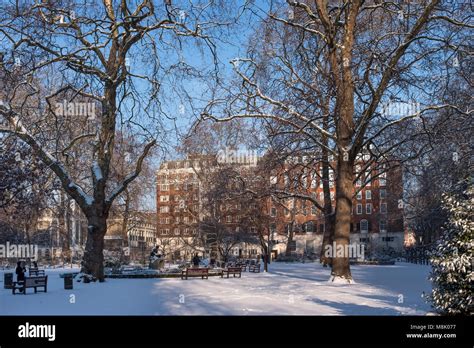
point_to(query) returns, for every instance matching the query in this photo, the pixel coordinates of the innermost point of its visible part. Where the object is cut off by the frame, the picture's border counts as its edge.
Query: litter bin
(8, 280)
(68, 281)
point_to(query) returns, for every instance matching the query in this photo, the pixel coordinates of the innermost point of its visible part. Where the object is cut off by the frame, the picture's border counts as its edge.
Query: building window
(164, 187)
(364, 226)
(164, 198)
(273, 180)
(314, 182)
(287, 180)
(383, 226)
(332, 196)
(363, 240)
(177, 219)
(357, 174)
(321, 196)
(359, 209)
(331, 178)
(186, 219)
(309, 226)
(176, 231)
(167, 220)
(272, 228)
(383, 193)
(314, 210)
(229, 218)
(383, 208)
(368, 194)
(273, 212)
(368, 177)
(165, 209)
(383, 179)
(368, 208)
(359, 195)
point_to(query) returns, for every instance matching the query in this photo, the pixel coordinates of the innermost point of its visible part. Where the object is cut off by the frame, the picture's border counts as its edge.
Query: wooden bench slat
(31, 282)
(232, 270)
(196, 272)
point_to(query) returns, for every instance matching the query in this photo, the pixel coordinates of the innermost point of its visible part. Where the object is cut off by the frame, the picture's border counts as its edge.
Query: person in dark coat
(196, 260)
(35, 264)
(20, 272)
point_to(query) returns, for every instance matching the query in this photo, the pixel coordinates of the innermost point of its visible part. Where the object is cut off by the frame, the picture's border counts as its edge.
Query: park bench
(195, 272)
(232, 270)
(243, 267)
(31, 282)
(35, 272)
(254, 268)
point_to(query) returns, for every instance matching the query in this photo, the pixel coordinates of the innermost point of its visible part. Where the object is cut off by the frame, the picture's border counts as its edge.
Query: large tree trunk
(93, 261)
(344, 188)
(327, 237)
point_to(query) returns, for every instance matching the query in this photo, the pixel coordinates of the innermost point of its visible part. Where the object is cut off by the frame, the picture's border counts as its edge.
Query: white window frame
(273, 212)
(360, 224)
(385, 225)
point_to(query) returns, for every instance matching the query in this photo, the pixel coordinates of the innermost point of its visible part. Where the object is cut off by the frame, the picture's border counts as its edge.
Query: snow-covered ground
(288, 289)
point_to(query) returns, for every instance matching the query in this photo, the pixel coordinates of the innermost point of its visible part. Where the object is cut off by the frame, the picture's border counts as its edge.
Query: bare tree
(93, 49)
(367, 54)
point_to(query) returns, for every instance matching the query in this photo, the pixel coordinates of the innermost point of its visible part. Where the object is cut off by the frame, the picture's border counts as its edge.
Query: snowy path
(288, 289)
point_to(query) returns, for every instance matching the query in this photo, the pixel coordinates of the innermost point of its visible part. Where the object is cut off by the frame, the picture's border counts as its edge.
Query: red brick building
(377, 217)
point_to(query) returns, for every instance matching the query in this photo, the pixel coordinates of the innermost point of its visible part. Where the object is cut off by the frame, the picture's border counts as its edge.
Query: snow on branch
(17, 129)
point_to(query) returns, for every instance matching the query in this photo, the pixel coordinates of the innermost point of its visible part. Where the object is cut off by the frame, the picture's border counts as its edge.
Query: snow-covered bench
(254, 268)
(35, 272)
(31, 282)
(195, 272)
(232, 270)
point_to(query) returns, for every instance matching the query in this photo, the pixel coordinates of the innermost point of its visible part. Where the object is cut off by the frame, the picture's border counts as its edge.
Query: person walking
(20, 272)
(196, 260)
